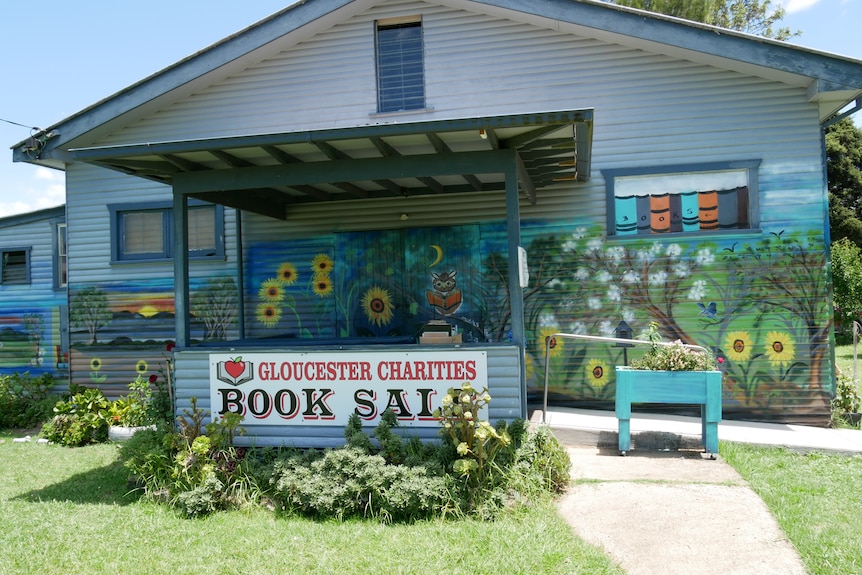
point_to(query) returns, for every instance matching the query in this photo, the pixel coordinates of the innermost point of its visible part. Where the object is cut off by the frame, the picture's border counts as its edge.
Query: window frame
(60, 253)
(613, 178)
(386, 103)
(27, 263)
(117, 211)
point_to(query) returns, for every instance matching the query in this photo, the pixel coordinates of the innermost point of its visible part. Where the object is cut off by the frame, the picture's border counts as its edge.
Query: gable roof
(832, 81)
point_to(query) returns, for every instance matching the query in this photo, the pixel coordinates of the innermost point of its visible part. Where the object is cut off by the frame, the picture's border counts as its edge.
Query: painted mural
(759, 301)
(381, 285)
(30, 341)
(121, 330)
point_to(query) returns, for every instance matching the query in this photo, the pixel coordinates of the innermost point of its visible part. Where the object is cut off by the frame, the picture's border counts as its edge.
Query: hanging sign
(325, 388)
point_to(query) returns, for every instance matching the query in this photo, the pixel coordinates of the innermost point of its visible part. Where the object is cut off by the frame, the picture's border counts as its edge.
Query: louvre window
(16, 266)
(400, 66)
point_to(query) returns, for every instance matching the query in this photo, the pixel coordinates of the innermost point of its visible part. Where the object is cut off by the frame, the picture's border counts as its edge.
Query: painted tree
(89, 309)
(216, 305)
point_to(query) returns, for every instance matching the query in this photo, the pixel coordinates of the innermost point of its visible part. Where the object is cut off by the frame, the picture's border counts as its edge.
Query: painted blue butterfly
(709, 311)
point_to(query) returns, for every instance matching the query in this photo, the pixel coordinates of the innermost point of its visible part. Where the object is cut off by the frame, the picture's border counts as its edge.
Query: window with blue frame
(141, 232)
(691, 198)
(15, 266)
(400, 65)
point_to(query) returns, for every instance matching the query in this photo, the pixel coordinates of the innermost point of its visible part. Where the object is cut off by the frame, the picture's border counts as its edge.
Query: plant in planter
(675, 356)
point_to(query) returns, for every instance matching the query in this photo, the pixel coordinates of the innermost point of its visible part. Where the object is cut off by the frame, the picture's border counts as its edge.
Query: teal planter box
(675, 387)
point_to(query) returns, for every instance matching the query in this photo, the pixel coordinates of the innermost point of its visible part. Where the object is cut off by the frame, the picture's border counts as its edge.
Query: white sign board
(326, 387)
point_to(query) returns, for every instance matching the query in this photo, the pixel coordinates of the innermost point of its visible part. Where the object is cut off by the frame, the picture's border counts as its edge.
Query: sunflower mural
(268, 313)
(780, 349)
(286, 299)
(597, 375)
(377, 305)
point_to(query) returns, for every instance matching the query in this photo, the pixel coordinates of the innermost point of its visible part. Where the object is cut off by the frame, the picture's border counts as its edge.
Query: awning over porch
(269, 173)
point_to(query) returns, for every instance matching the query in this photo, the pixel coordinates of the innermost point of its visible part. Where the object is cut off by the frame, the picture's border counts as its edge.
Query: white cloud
(44, 188)
(793, 6)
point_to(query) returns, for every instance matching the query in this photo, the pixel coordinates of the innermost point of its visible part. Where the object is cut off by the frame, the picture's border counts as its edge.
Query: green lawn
(67, 511)
(844, 359)
(815, 497)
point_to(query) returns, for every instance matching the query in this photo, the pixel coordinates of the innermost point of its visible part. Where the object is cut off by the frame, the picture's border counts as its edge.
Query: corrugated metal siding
(31, 313)
(192, 368)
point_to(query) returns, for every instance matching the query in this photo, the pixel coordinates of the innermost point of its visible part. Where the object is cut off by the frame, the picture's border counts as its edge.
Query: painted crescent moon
(439, 251)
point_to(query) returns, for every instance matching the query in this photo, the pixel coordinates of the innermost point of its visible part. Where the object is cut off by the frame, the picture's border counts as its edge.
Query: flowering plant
(675, 356)
(132, 410)
(476, 441)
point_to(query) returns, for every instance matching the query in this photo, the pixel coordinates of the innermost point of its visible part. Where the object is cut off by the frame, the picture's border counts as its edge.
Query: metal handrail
(598, 338)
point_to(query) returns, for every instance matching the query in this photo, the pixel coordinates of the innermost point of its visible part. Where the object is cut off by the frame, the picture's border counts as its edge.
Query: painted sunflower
(268, 314)
(287, 273)
(780, 348)
(322, 285)
(272, 290)
(321, 265)
(377, 305)
(738, 345)
(597, 374)
(556, 343)
(95, 364)
(141, 367)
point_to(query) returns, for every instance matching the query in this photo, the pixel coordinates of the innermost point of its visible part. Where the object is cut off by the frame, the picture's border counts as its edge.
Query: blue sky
(58, 57)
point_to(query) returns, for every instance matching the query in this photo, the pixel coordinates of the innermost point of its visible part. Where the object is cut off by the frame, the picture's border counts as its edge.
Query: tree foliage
(844, 173)
(846, 280)
(751, 16)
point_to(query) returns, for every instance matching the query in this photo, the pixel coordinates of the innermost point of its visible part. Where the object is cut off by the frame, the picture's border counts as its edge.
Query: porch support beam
(181, 270)
(516, 293)
(418, 166)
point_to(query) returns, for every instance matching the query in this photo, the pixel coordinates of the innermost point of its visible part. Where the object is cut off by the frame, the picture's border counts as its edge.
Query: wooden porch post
(181, 269)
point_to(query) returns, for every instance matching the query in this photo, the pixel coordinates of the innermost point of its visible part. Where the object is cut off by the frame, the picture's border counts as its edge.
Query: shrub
(346, 482)
(381, 476)
(197, 469)
(80, 420)
(149, 458)
(541, 461)
(26, 401)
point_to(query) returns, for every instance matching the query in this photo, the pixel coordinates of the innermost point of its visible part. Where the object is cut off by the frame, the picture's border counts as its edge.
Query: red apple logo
(235, 371)
(235, 367)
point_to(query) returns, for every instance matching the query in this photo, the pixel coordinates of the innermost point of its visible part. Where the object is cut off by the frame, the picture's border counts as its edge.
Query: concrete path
(667, 509)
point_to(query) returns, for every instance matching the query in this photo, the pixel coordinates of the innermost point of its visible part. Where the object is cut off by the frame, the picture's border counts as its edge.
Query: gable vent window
(16, 268)
(400, 66)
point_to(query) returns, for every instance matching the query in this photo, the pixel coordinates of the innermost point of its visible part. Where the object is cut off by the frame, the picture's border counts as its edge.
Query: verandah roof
(269, 173)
